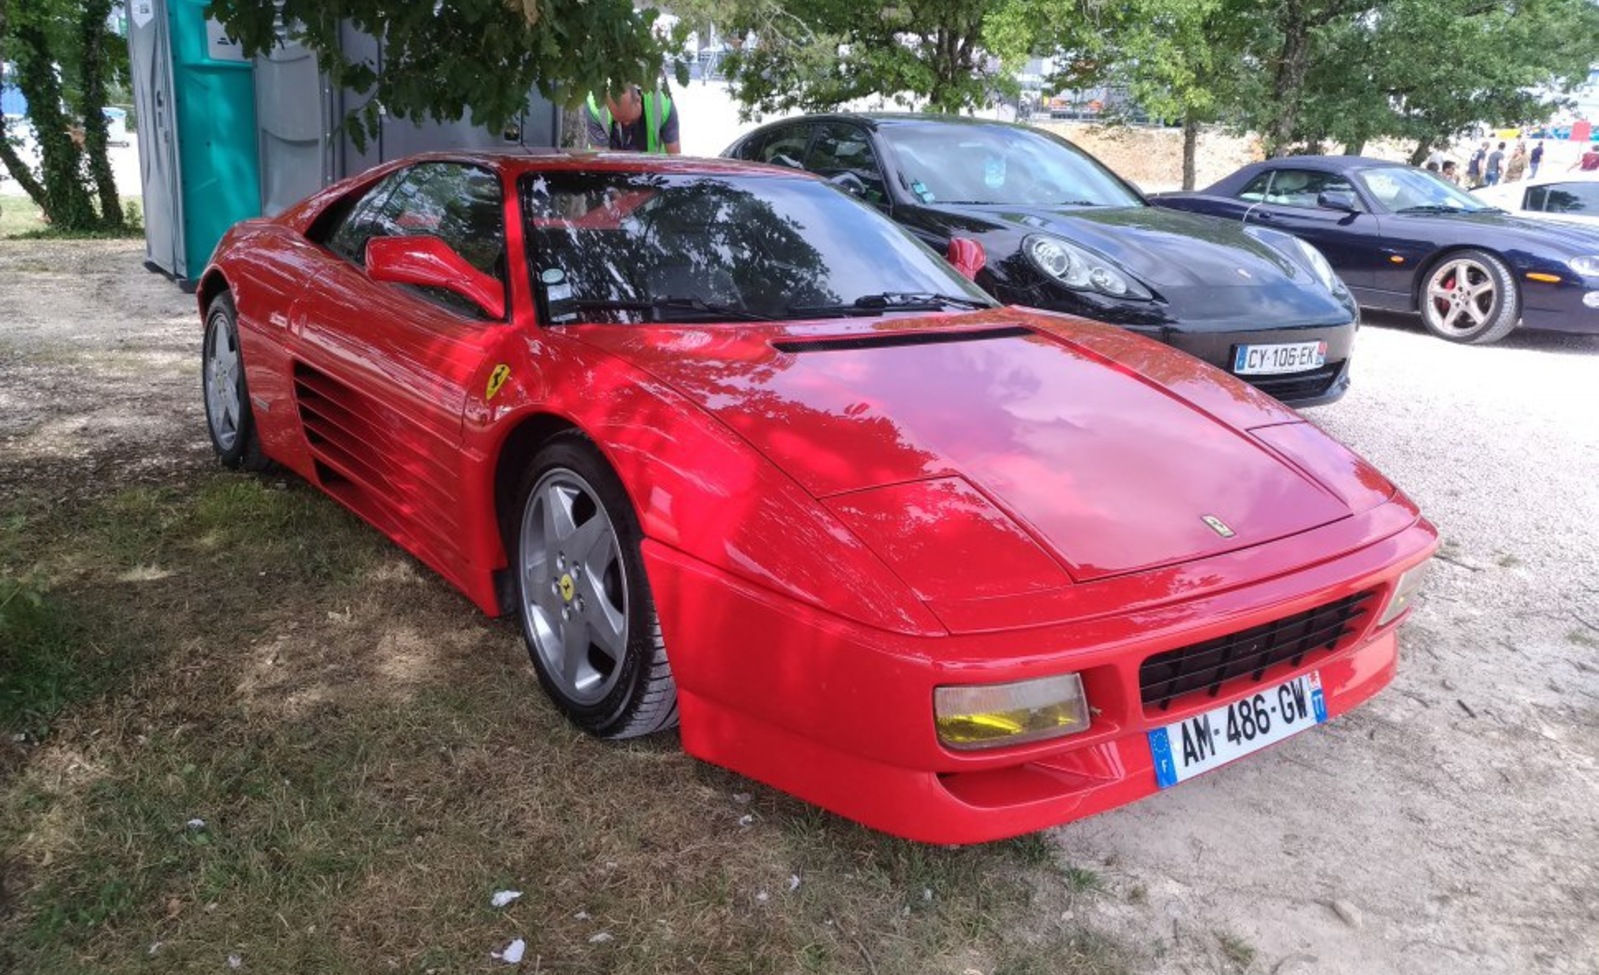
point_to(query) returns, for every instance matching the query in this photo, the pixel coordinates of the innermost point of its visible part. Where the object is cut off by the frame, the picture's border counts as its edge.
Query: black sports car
(1405, 240)
(1060, 231)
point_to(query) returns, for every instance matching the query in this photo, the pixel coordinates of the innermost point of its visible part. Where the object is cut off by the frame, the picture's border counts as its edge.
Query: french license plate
(1216, 737)
(1264, 360)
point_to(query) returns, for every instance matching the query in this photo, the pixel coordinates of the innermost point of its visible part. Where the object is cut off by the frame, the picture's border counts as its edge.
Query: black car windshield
(624, 247)
(1404, 189)
(997, 164)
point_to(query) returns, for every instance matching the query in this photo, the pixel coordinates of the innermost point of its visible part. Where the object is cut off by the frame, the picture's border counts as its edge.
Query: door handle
(1262, 215)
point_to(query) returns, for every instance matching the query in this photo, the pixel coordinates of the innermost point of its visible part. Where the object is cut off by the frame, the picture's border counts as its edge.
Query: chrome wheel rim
(574, 586)
(222, 398)
(1461, 297)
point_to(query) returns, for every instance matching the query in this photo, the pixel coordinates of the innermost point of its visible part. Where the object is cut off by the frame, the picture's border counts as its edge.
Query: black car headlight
(1079, 269)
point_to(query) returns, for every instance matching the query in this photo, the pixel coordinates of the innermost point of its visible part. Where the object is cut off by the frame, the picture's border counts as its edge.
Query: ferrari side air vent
(884, 341)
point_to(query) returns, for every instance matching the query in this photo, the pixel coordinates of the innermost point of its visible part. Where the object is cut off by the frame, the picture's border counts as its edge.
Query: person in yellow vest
(634, 121)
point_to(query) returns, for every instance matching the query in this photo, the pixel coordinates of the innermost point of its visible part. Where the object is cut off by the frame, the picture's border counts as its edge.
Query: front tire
(583, 598)
(1471, 297)
(228, 414)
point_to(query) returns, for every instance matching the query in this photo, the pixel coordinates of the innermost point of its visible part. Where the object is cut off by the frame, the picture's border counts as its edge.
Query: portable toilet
(305, 144)
(198, 162)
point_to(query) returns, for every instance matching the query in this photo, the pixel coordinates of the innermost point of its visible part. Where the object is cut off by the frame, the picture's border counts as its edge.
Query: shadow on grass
(297, 746)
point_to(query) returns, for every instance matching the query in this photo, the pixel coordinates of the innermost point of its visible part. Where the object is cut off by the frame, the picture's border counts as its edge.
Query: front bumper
(840, 714)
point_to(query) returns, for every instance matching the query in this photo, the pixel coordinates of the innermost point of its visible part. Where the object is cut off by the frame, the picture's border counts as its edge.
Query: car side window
(1580, 198)
(1255, 190)
(846, 150)
(1301, 187)
(351, 223)
(459, 204)
(1533, 198)
(785, 147)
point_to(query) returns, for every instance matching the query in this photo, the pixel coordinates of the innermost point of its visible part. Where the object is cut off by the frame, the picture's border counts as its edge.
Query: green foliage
(453, 58)
(66, 62)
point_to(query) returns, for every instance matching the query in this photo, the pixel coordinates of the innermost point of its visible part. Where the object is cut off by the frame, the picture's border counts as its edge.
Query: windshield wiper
(1435, 208)
(893, 301)
(669, 303)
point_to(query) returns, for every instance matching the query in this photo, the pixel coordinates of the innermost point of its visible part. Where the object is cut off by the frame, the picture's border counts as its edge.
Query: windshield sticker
(922, 192)
(994, 172)
(552, 275)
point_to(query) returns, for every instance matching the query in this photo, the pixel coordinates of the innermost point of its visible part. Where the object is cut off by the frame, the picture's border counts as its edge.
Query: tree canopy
(447, 59)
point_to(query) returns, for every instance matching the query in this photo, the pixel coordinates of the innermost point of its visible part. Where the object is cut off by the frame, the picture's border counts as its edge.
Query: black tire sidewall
(611, 713)
(221, 314)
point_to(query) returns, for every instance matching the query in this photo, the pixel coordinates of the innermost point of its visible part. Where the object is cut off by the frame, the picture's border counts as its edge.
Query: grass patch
(1238, 952)
(1582, 638)
(372, 760)
(21, 219)
(19, 215)
(47, 658)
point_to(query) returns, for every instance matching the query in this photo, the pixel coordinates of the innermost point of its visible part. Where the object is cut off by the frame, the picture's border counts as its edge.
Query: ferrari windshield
(629, 247)
(1404, 189)
(946, 162)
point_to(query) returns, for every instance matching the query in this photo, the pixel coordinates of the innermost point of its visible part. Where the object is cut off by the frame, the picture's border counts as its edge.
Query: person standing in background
(1474, 166)
(633, 121)
(1494, 167)
(1535, 159)
(1517, 164)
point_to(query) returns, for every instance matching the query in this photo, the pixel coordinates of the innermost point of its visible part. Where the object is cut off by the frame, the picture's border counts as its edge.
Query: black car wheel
(584, 600)
(228, 414)
(1470, 297)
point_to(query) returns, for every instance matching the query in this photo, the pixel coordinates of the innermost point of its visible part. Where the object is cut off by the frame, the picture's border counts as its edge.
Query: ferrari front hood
(1110, 465)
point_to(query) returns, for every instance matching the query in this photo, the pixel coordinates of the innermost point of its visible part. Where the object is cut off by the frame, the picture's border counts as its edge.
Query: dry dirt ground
(1452, 825)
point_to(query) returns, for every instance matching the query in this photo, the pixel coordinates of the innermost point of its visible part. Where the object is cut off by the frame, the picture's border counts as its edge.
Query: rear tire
(1471, 297)
(228, 414)
(583, 598)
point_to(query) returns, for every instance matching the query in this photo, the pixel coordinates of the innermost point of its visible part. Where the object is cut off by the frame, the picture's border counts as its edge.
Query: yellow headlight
(990, 715)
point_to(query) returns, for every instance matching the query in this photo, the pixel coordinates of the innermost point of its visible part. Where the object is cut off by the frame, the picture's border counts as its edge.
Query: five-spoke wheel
(584, 601)
(227, 392)
(1470, 297)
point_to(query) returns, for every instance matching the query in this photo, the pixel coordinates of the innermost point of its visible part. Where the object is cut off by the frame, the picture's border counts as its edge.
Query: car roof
(537, 159)
(1335, 164)
(877, 120)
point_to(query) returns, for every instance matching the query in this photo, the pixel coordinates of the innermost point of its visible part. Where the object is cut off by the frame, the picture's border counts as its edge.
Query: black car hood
(1163, 248)
(1207, 268)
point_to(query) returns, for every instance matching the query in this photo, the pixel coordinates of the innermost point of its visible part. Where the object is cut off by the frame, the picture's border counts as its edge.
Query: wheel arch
(212, 284)
(1444, 253)
(516, 451)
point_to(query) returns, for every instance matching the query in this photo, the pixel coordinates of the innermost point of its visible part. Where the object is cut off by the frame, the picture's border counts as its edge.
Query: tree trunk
(95, 135)
(1423, 150)
(1288, 82)
(1190, 149)
(1355, 147)
(66, 202)
(8, 154)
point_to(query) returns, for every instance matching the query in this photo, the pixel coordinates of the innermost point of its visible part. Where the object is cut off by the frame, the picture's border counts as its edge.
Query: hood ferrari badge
(497, 378)
(1218, 526)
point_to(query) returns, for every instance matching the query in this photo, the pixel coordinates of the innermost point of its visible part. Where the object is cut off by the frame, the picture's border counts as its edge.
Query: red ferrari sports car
(744, 455)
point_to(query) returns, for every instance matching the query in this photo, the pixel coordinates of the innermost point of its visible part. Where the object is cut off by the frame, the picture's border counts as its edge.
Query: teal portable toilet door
(150, 63)
(214, 85)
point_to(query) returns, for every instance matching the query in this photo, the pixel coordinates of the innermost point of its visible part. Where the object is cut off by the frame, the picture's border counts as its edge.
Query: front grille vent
(1251, 653)
(1297, 385)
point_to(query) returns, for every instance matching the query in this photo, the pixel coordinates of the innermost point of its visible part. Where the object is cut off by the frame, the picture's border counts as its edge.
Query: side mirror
(967, 255)
(1338, 200)
(430, 262)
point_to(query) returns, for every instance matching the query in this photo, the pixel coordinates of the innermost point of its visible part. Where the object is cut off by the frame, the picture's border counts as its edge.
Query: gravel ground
(1451, 825)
